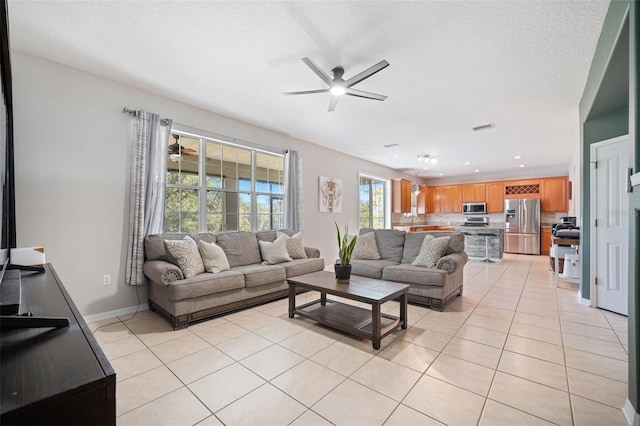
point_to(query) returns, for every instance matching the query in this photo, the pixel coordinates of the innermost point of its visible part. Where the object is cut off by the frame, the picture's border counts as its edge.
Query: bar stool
(486, 246)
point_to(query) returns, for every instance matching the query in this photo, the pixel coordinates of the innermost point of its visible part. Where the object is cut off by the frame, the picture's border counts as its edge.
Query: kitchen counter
(476, 245)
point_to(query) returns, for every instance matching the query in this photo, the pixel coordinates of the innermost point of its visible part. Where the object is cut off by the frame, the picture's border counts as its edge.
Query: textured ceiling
(521, 65)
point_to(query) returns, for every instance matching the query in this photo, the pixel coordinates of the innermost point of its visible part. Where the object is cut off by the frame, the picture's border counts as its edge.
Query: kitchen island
(476, 239)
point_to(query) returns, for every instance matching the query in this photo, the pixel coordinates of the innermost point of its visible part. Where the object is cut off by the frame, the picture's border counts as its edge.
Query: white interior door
(611, 160)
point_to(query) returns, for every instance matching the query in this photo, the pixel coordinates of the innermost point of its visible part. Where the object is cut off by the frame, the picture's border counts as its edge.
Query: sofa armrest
(162, 272)
(452, 261)
(312, 252)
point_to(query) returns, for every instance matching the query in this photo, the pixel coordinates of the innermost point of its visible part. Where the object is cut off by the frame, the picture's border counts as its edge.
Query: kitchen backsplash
(446, 219)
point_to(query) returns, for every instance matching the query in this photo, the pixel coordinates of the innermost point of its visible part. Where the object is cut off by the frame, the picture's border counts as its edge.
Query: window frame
(203, 189)
(386, 198)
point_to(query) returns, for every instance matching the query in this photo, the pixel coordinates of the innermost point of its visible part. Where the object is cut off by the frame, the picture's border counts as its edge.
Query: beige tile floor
(513, 350)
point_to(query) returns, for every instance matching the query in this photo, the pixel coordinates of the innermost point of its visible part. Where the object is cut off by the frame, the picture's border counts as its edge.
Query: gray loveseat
(248, 282)
(434, 287)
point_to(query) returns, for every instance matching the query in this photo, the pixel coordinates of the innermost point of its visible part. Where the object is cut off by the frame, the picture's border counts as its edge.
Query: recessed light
(396, 156)
(521, 165)
(467, 163)
(426, 168)
(441, 174)
(476, 170)
(517, 157)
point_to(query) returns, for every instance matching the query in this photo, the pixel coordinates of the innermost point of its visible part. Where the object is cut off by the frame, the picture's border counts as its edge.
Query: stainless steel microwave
(474, 208)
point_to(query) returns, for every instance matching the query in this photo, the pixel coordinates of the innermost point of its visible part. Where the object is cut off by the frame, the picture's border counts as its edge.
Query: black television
(8, 230)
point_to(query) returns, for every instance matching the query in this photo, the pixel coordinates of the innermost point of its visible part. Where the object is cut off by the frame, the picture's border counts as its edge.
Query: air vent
(483, 127)
(393, 145)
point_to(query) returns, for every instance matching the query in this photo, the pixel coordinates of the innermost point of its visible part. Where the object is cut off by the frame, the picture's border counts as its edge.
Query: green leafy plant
(345, 246)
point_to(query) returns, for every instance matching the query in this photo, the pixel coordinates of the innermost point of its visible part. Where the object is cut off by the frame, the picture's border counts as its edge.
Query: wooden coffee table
(369, 324)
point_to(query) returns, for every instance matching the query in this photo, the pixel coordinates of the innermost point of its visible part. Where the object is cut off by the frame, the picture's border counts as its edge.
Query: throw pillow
(213, 257)
(431, 250)
(295, 246)
(186, 255)
(275, 252)
(366, 247)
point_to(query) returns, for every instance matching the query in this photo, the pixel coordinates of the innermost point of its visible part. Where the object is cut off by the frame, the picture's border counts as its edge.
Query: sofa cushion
(185, 254)
(366, 247)
(258, 274)
(412, 244)
(154, 246)
(390, 243)
(204, 284)
(370, 268)
(303, 266)
(275, 252)
(456, 243)
(415, 275)
(241, 247)
(431, 251)
(295, 245)
(213, 257)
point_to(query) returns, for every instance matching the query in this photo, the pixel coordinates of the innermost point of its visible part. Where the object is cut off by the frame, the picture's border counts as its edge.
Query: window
(229, 188)
(374, 202)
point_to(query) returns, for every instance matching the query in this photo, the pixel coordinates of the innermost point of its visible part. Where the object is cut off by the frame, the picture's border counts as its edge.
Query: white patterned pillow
(366, 247)
(431, 251)
(275, 252)
(295, 246)
(186, 255)
(213, 257)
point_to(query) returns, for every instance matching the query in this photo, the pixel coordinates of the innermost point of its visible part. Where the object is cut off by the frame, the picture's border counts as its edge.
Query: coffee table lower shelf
(348, 318)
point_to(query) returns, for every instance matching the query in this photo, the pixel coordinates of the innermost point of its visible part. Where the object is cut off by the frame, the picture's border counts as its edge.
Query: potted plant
(345, 249)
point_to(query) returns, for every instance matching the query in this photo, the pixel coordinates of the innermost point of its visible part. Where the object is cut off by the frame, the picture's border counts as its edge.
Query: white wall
(72, 149)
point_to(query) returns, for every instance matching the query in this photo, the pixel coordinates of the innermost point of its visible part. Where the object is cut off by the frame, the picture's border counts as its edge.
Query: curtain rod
(163, 121)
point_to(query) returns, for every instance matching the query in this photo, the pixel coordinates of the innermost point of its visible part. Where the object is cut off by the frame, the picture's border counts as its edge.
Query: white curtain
(148, 179)
(293, 187)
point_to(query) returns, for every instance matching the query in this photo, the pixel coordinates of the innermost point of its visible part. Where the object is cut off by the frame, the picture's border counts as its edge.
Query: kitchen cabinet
(447, 199)
(401, 196)
(424, 201)
(430, 228)
(474, 193)
(545, 240)
(554, 194)
(530, 188)
(495, 197)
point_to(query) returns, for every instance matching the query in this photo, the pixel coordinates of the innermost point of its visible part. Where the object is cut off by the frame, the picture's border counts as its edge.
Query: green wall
(606, 127)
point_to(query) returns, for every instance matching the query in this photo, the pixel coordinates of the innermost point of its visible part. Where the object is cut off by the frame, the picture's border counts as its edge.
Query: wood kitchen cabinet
(447, 199)
(401, 196)
(424, 202)
(545, 240)
(530, 188)
(555, 194)
(474, 193)
(495, 197)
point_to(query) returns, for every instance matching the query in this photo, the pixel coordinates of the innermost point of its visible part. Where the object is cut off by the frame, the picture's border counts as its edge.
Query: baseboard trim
(118, 312)
(632, 416)
(585, 302)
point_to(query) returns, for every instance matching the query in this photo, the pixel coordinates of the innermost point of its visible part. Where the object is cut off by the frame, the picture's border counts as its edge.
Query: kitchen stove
(476, 221)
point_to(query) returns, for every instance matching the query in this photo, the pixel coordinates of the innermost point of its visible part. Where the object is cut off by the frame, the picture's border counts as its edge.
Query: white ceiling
(521, 65)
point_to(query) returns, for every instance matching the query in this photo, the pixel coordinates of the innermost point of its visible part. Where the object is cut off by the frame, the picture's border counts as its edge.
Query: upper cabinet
(447, 199)
(401, 196)
(474, 193)
(424, 200)
(531, 188)
(495, 197)
(555, 194)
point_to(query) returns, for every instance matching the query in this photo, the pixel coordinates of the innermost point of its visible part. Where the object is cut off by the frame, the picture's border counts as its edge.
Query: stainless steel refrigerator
(522, 226)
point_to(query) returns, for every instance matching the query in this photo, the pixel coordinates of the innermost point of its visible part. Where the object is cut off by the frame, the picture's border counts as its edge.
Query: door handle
(629, 173)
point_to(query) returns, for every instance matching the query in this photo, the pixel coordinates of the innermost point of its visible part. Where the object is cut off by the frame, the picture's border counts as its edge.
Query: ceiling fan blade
(363, 94)
(366, 73)
(323, 75)
(306, 92)
(333, 102)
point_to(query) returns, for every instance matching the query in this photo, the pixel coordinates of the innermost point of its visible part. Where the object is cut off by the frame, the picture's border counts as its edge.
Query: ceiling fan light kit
(338, 86)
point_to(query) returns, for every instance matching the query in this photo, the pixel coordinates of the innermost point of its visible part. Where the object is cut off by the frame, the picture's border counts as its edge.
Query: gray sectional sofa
(247, 282)
(433, 287)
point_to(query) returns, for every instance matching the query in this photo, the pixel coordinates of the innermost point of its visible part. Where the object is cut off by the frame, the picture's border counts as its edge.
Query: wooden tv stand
(54, 376)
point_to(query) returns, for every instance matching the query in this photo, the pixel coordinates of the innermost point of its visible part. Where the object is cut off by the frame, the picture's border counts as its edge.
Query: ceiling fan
(176, 150)
(338, 86)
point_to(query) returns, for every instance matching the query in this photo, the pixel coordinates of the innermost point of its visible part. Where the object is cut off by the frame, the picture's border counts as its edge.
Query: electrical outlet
(106, 279)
